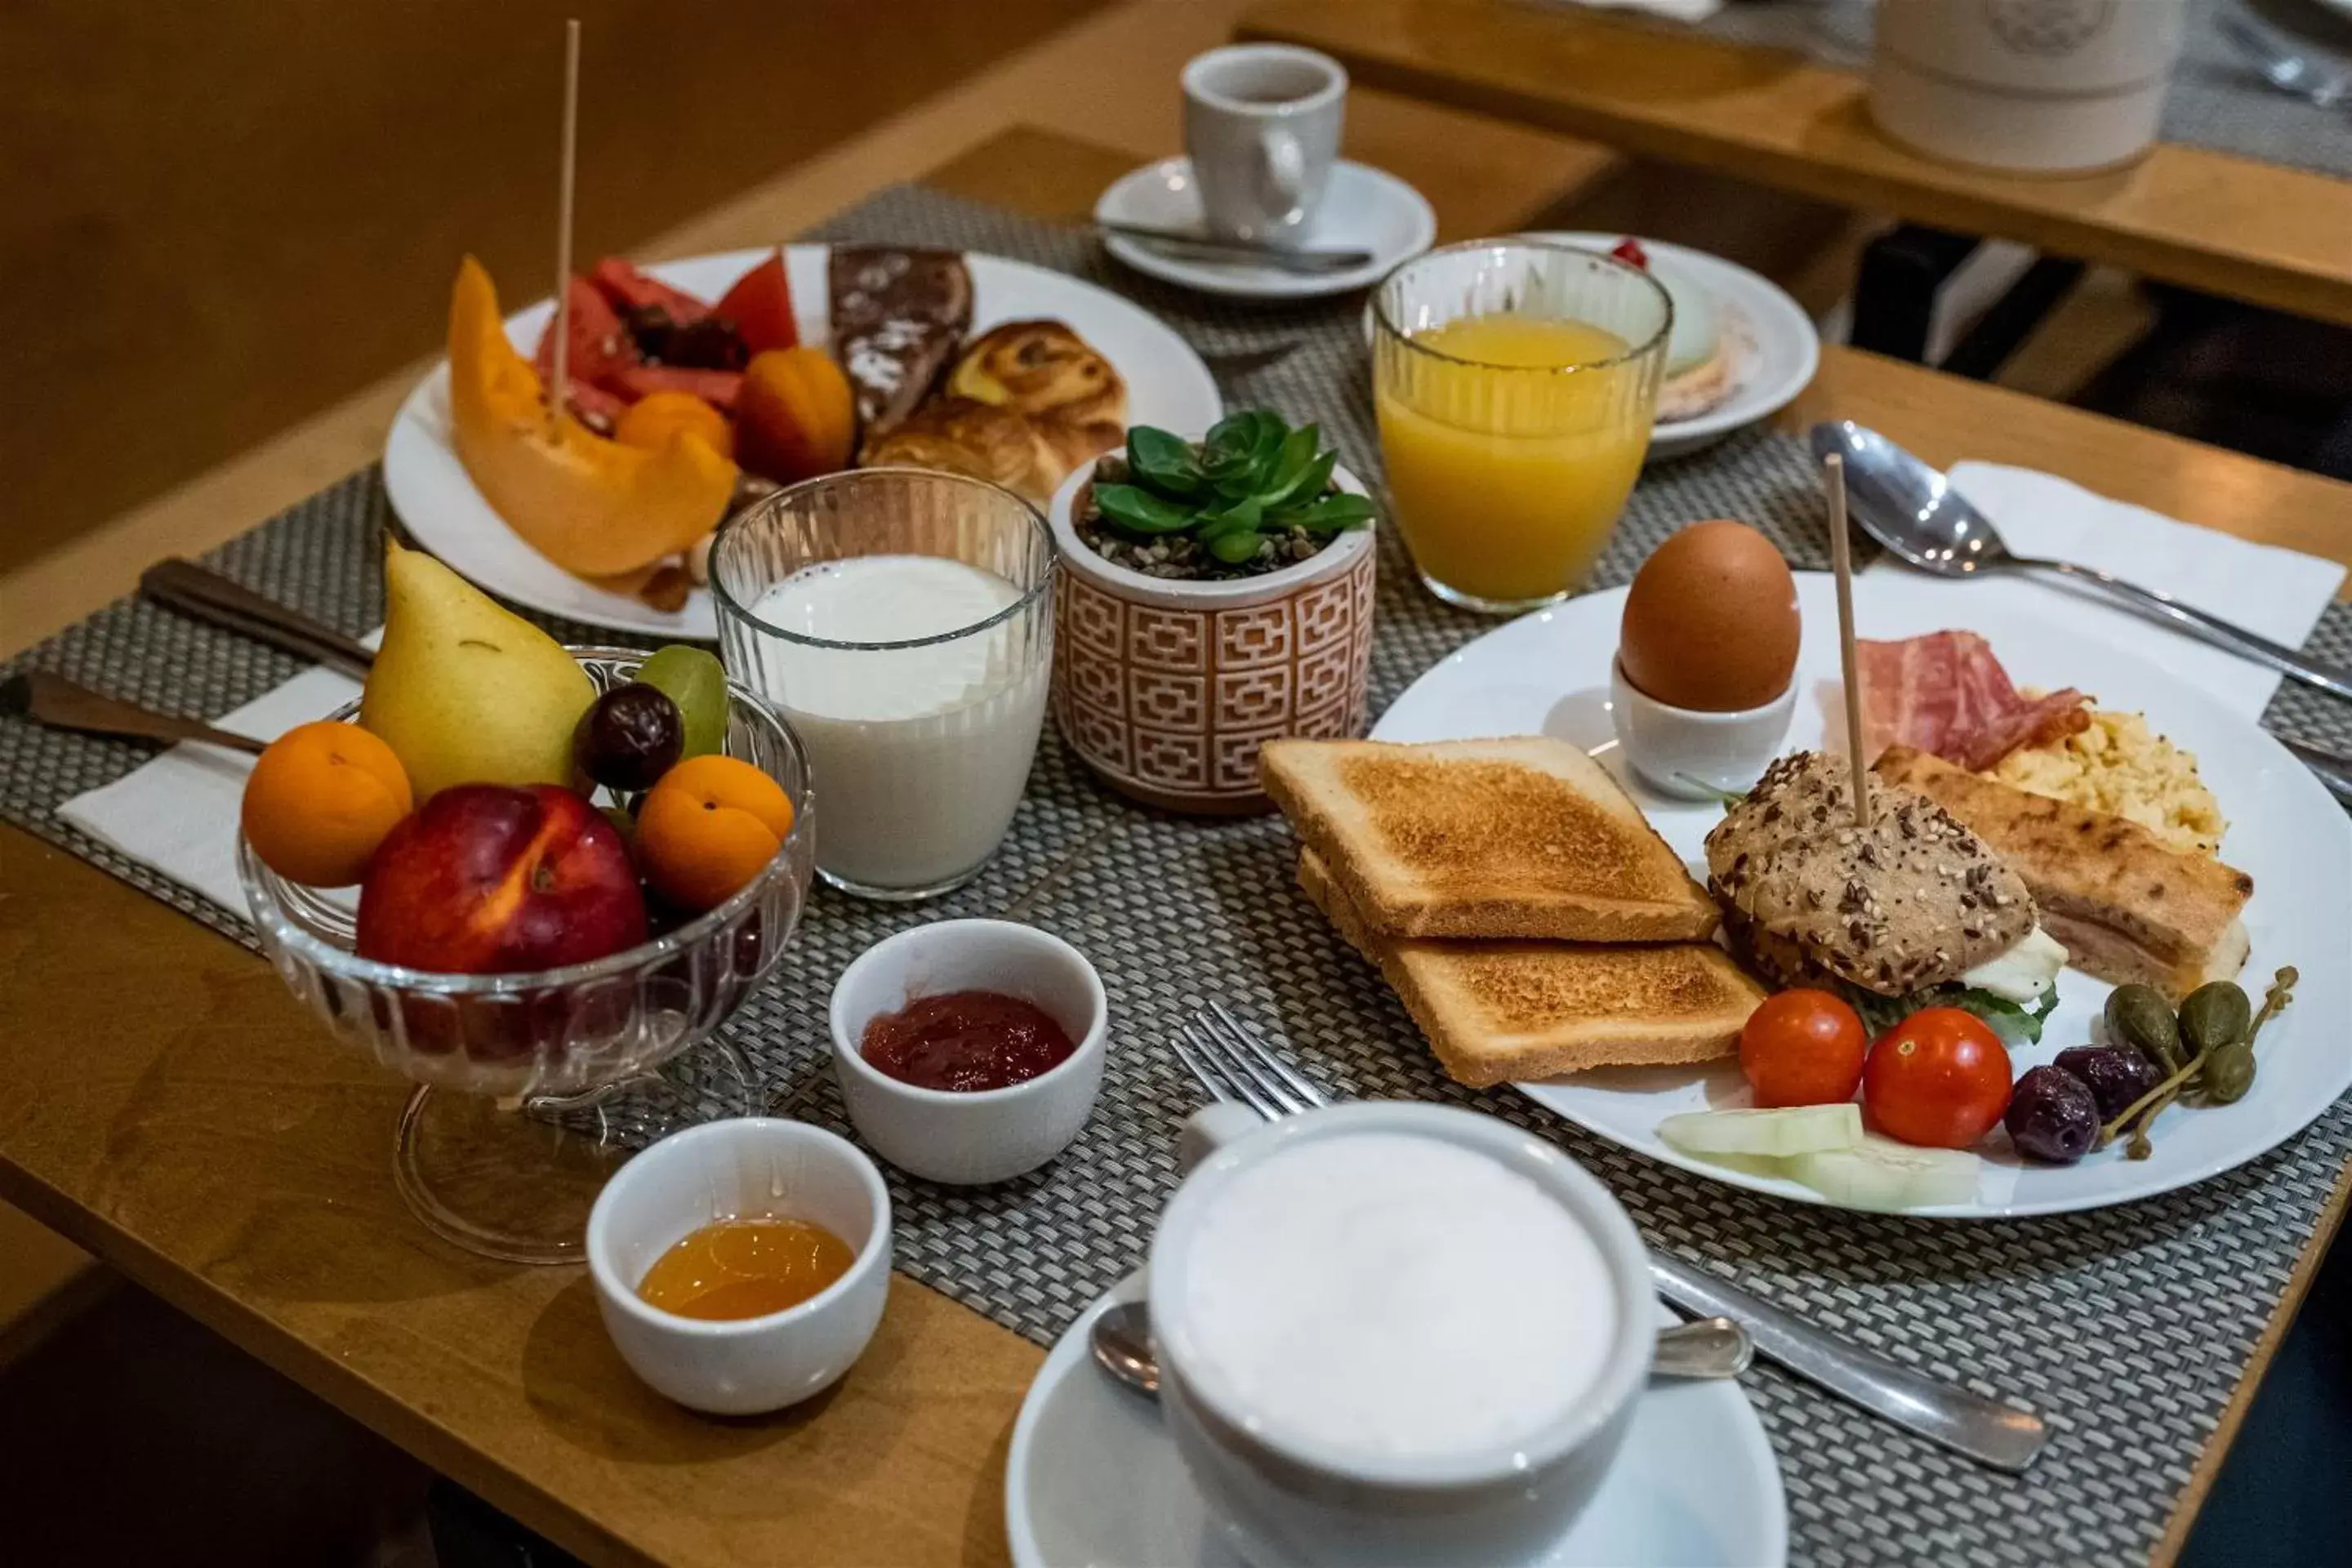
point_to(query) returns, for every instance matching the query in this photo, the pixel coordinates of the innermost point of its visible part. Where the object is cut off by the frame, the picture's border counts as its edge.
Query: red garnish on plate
(1629, 250)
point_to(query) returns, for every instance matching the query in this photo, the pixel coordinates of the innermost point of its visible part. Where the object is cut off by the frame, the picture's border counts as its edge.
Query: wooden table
(171, 1109)
(2246, 230)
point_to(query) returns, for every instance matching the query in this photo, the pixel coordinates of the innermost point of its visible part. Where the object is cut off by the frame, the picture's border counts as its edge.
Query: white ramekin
(750, 1167)
(994, 1135)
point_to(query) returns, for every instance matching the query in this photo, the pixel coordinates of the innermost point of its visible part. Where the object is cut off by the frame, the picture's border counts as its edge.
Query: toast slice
(2127, 907)
(1498, 1010)
(1524, 838)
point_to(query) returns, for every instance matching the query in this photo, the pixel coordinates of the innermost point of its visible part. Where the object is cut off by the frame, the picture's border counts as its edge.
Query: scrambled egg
(2123, 768)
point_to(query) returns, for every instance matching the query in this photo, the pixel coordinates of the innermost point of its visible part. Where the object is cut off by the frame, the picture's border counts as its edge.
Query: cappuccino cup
(1394, 1334)
(1261, 127)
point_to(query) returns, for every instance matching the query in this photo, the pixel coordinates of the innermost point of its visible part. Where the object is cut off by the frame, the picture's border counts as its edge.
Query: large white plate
(1548, 673)
(1093, 1478)
(1167, 385)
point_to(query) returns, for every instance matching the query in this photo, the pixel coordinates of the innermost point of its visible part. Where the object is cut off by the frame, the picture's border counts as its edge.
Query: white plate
(1167, 385)
(1548, 673)
(1364, 209)
(1093, 1479)
(1783, 352)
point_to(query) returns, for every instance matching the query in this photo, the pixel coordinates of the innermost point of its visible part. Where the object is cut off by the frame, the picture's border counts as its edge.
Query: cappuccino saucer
(1093, 1478)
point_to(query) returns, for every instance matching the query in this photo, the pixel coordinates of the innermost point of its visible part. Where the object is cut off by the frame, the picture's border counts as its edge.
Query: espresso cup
(1440, 1412)
(1261, 125)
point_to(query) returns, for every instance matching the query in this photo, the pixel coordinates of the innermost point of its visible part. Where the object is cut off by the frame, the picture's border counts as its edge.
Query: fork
(2281, 64)
(1234, 1063)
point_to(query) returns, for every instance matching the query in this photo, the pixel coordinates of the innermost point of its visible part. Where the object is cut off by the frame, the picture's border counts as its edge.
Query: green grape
(697, 682)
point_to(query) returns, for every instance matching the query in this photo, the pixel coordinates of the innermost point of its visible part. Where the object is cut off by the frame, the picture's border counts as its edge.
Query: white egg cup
(990, 1135)
(751, 1167)
(1694, 756)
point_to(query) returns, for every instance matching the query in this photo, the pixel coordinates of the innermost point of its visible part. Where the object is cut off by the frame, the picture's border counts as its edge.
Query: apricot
(650, 422)
(320, 801)
(712, 825)
(795, 415)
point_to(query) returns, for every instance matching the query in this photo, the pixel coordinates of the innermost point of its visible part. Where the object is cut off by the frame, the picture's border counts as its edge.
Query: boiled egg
(1711, 621)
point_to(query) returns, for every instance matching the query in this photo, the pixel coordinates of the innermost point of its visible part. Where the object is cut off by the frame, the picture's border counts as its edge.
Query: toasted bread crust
(2128, 908)
(1521, 838)
(1497, 1011)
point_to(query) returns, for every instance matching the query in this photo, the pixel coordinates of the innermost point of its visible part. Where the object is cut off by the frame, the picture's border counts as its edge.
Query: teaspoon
(1711, 1347)
(1912, 509)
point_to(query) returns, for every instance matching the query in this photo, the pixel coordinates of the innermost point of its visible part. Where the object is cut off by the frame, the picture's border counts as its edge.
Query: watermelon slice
(630, 289)
(716, 388)
(599, 343)
(760, 306)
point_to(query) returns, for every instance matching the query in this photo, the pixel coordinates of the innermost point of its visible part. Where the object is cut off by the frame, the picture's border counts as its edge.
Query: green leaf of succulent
(1138, 510)
(1307, 485)
(1164, 462)
(1237, 546)
(1242, 517)
(1330, 514)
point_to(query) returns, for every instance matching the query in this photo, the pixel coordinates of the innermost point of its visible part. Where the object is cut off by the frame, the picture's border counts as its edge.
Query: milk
(917, 755)
(1392, 1296)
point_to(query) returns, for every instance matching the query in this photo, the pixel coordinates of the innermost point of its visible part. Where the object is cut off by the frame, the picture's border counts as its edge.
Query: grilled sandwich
(1498, 1010)
(2127, 908)
(1527, 838)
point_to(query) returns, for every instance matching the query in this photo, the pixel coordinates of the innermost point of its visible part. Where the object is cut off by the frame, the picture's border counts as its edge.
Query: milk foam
(1392, 1296)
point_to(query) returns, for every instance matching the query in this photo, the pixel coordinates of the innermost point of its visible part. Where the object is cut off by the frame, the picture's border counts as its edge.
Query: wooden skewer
(560, 382)
(1842, 562)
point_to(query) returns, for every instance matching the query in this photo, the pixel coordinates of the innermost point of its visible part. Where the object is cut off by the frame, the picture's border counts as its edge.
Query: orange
(712, 825)
(653, 419)
(320, 801)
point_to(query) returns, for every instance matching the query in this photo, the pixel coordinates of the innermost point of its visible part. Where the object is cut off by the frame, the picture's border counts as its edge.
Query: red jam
(966, 1041)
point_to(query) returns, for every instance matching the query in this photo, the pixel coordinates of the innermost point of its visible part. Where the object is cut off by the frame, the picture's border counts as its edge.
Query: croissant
(1041, 367)
(1030, 455)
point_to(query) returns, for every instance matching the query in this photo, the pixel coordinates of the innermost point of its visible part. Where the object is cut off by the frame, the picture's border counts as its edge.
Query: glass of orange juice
(1516, 381)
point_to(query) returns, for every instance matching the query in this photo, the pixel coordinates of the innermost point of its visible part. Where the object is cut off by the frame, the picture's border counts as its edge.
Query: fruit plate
(1548, 673)
(1167, 385)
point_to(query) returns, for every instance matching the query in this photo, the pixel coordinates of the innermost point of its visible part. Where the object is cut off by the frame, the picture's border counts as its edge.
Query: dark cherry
(629, 737)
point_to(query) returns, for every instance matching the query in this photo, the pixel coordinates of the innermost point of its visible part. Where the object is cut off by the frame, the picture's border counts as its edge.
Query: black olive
(2051, 1117)
(2116, 1074)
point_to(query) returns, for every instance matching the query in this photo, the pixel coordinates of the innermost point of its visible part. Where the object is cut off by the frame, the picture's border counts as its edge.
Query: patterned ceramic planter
(1168, 689)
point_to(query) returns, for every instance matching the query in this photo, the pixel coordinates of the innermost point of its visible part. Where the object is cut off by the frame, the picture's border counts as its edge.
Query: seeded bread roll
(1913, 899)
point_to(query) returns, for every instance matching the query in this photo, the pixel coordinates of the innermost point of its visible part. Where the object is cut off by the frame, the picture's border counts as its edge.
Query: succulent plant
(1253, 477)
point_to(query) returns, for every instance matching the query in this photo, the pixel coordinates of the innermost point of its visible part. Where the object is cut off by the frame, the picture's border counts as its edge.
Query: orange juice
(1506, 470)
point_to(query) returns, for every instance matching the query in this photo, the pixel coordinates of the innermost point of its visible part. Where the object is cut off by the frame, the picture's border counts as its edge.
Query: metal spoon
(1912, 509)
(1711, 1347)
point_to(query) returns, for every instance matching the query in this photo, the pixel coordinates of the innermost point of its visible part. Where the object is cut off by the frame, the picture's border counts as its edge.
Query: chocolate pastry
(897, 318)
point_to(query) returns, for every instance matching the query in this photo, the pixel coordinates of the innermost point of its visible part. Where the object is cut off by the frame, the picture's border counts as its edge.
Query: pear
(464, 692)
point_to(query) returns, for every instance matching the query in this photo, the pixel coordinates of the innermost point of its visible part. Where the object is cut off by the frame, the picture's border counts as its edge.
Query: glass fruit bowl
(532, 1086)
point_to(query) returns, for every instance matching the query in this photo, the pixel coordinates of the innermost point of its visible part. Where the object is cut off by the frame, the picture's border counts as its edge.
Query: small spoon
(1711, 1347)
(1912, 509)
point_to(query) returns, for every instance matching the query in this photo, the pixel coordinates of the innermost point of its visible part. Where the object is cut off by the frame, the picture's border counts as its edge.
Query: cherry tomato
(1939, 1080)
(1802, 1048)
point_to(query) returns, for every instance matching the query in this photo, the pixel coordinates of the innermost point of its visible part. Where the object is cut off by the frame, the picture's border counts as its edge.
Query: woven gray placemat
(2216, 100)
(2128, 1329)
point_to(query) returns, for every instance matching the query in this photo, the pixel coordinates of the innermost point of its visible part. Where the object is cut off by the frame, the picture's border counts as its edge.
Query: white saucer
(1778, 347)
(1364, 209)
(1093, 1478)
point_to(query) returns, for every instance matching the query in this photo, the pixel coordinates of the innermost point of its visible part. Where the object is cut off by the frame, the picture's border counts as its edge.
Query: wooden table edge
(2253, 278)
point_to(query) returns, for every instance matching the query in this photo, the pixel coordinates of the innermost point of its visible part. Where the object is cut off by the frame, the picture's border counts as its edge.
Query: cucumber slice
(1775, 1134)
(1880, 1173)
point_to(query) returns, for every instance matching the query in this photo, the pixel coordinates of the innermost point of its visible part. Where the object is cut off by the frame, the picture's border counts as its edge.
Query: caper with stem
(2136, 1016)
(2229, 1072)
(2212, 1016)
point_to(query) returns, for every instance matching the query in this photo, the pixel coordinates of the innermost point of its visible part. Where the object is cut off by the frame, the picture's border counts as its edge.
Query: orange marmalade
(745, 1268)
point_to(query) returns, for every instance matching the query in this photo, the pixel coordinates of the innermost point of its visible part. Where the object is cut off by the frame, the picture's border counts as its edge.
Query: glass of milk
(903, 621)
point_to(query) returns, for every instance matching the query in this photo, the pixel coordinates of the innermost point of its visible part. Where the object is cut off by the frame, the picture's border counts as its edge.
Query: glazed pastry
(1028, 454)
(898, 316)
(1041, 367)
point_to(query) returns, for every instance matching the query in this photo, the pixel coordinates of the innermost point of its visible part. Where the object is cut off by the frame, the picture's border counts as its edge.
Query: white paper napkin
(177, 814)
(2277, 593)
